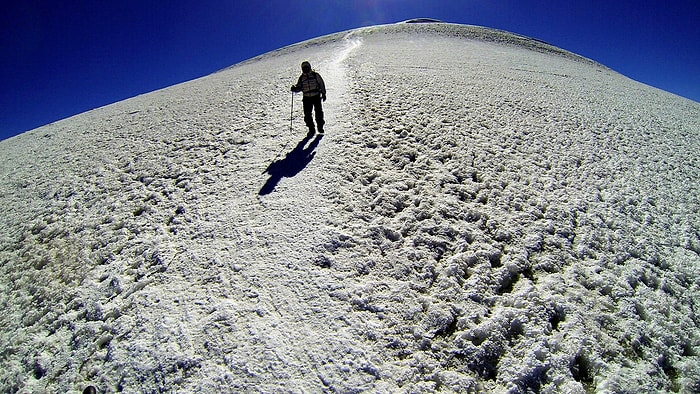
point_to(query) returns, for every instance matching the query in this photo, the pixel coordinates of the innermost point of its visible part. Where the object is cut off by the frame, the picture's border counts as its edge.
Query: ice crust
(486, 213)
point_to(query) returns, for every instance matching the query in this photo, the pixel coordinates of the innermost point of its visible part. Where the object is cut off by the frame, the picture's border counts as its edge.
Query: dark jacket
(311, 84)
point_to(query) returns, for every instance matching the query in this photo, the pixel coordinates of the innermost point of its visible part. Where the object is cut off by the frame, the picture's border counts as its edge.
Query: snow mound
(423, 20)
(486, 213)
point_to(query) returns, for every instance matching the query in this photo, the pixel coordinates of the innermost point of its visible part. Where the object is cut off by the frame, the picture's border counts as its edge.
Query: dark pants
(313, 103)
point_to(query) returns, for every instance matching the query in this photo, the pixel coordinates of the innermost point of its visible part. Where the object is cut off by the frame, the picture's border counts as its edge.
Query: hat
(305, 66)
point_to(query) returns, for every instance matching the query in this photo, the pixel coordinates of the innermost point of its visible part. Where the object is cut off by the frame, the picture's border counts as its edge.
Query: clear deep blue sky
(61, 58)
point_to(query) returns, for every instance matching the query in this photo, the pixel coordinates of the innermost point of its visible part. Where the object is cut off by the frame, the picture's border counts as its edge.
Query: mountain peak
(423, 20)
(485, 213)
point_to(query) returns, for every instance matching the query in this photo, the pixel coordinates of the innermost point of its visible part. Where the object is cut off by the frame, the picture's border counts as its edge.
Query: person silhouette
(292, 164)
(314, 89)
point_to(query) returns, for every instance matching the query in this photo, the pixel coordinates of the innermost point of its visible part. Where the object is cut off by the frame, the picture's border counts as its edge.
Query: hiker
(311, 83)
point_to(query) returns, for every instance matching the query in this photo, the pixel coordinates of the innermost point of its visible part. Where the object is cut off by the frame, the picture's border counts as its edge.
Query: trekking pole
(291, 114)
(291, 119)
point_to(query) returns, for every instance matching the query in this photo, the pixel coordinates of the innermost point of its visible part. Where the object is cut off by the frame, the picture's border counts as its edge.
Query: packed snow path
(486, 213)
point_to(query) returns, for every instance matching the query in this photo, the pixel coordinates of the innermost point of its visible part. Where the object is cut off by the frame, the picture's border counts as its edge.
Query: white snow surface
(486, 213)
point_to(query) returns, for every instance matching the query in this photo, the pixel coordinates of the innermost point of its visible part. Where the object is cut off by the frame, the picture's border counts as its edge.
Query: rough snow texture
(486, 213)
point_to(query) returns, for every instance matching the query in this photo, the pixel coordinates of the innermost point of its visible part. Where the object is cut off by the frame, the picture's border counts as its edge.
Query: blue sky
(61, 58)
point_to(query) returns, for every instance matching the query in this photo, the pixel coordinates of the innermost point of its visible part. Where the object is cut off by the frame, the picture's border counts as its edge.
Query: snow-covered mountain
(486, 213)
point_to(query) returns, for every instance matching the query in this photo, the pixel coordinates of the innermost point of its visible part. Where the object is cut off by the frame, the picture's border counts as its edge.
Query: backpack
(310, 84)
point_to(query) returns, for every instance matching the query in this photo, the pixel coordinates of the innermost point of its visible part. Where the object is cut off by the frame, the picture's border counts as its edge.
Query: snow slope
(486, 213)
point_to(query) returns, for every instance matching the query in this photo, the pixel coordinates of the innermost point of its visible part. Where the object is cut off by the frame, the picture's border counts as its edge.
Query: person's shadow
(292, 164)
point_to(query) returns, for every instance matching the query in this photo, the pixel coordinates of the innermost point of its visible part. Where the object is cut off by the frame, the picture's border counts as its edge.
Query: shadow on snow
(292, 164)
